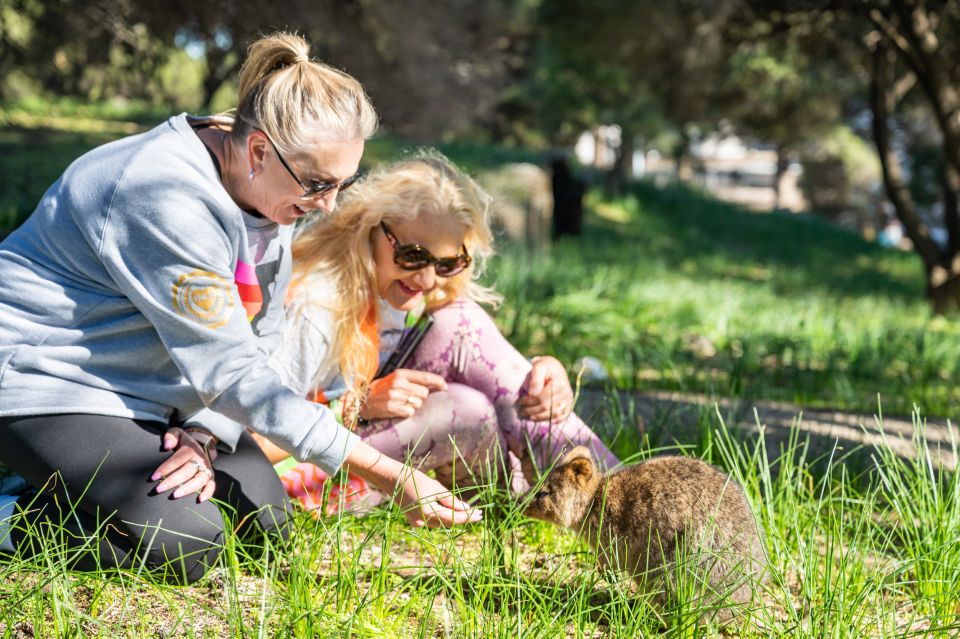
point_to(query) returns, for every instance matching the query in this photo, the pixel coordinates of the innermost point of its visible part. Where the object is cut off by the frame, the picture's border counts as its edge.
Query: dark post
(567, 199)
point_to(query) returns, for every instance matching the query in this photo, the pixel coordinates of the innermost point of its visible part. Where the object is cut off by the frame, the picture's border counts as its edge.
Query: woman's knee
(472, 410)
(181, 546)
(182, 561)
(183, 550)
(475, 428)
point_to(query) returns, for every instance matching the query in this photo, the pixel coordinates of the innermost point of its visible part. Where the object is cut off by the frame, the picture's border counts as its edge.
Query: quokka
(676, 525)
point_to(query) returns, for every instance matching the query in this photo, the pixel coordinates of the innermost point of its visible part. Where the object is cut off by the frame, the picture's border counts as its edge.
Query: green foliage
(626, 63)
(30, 161)
(840, 172)
(776, 92)
(40, 138)
(671, 289)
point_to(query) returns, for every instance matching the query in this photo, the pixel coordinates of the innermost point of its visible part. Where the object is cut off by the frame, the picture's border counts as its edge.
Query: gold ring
(561, 408)
(409, 400)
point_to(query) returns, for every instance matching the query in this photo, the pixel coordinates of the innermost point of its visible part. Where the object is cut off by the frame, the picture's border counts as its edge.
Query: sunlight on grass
(72, 124)
(694, 295)
(868, 553)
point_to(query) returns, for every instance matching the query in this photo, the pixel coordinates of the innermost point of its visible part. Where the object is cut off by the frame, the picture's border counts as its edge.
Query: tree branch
(888, 29)
(902, 87)
(933, 74)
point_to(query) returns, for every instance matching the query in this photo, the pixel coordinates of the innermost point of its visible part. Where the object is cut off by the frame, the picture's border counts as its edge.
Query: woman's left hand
(189, 468)
(546, 394)
(400, 394)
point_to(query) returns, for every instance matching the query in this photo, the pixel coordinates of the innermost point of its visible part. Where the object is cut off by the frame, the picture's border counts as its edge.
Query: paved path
(678, 416)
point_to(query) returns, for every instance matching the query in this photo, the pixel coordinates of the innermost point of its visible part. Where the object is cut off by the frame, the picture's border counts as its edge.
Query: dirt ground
(674, 418)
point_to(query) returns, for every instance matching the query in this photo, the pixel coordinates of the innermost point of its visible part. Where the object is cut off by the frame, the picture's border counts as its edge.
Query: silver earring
(251, 175)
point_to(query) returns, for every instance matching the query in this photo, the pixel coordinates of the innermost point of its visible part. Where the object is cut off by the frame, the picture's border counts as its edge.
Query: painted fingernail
(177, 494)
(161, 488)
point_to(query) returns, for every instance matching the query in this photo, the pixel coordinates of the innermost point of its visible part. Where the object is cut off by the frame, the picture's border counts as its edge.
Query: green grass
(850, 556)
(671, 289)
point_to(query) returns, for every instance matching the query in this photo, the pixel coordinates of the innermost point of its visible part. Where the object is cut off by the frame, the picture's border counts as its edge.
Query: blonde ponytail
(297, 101)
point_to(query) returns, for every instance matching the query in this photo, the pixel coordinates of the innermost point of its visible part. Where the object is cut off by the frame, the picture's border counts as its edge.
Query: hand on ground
(188, 469)
(400, 394)
(546, 394)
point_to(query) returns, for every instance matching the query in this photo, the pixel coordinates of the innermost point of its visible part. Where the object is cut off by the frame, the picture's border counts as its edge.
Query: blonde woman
(409, 236)
(148, 285)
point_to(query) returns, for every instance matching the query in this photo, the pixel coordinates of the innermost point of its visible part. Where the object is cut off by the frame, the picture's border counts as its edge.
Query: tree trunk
(951, 210)
(218, 71)
(622, 170)
(946, 296)
(625, 155)
(781, 169)
(943, 285)
(681, 158)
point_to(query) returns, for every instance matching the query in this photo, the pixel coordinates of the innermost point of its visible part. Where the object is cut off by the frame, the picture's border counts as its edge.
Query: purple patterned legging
(473, 426)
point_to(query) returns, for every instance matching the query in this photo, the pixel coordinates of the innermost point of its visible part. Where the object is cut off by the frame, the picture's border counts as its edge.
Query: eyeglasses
(413, 257)
(317, 187)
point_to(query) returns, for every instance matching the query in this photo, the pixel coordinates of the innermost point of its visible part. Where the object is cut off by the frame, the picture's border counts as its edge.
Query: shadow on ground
(667, 419)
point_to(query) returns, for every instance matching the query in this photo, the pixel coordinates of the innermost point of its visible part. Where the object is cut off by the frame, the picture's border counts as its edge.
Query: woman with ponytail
(138, 304)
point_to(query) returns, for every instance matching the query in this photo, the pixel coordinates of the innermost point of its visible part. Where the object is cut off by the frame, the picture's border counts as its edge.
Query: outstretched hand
(546, 394)
(189, 469)
(400, 394)
(427, 502)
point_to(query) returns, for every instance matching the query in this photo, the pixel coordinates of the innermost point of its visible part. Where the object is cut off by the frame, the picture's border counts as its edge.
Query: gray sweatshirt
(138, 289)
(304, 358)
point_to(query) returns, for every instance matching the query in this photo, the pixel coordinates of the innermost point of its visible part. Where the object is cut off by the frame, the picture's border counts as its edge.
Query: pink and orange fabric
(310, 486)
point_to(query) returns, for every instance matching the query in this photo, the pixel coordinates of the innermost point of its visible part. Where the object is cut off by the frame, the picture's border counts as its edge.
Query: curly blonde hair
(338, 248)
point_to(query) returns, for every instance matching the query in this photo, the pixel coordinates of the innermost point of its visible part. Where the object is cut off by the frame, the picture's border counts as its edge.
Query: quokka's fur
(672, 523)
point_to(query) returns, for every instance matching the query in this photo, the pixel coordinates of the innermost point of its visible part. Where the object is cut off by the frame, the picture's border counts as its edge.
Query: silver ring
(409, 400)
(561, 408)
(198, 467)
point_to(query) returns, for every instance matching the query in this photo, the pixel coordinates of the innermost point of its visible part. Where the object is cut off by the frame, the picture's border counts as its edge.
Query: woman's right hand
(427, 502)
(400, 393)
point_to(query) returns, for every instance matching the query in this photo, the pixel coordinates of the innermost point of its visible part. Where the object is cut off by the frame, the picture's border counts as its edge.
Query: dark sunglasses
(413, 257)
(317, 187)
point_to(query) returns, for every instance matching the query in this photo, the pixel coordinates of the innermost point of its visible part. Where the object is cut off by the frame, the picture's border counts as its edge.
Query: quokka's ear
(576, 453)
(582, 468)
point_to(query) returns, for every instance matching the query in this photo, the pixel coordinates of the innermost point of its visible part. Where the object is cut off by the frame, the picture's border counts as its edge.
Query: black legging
(94, 472)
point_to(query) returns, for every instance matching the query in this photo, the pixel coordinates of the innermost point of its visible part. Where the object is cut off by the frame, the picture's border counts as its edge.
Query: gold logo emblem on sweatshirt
(204, 297)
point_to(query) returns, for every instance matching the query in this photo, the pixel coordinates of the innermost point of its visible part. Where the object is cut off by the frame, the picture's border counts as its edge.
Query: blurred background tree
(814, 80)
